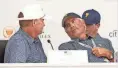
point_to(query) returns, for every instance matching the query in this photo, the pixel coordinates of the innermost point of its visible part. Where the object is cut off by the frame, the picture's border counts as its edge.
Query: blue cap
(91, 17)
(71, 14)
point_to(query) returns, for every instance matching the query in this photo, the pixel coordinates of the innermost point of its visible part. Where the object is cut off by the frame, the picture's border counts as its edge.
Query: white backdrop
(56, 9)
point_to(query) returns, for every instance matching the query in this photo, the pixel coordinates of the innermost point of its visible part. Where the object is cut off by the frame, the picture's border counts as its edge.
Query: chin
(39, 33)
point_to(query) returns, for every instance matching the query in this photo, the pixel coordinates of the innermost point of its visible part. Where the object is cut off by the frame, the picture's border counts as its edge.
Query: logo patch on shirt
(100, 44)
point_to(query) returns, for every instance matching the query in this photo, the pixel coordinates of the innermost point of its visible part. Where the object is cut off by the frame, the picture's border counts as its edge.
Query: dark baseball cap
(71, 14)
(91, 16)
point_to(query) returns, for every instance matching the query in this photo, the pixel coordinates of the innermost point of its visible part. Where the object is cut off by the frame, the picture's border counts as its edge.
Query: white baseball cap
(32, 11)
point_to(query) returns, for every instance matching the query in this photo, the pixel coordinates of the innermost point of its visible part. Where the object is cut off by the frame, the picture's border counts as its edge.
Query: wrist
(109, 55)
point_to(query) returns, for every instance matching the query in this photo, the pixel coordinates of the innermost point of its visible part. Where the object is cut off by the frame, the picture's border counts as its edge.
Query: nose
(44, 24)
(72, 25)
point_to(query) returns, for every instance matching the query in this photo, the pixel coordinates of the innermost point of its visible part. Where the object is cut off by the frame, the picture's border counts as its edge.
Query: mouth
(74, 30)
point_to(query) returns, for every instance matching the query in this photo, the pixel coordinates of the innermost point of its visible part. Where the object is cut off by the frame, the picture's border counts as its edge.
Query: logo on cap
(87, 14)
(91, 16)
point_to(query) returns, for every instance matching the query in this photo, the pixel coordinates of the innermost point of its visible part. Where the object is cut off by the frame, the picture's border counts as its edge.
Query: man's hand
(102, 52)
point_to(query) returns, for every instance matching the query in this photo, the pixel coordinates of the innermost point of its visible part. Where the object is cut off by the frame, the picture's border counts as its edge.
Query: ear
(33, 22)
(98, 25)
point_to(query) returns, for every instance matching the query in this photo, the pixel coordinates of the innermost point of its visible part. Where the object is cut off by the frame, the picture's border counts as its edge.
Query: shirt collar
(76, 39)
(96, 37)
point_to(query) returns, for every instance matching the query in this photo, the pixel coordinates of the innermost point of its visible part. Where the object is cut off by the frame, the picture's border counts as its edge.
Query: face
(38, 26)
(74, 27)
(92, 30)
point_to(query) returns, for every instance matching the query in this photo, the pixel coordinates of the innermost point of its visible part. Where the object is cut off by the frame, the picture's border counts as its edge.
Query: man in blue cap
(102, 47)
